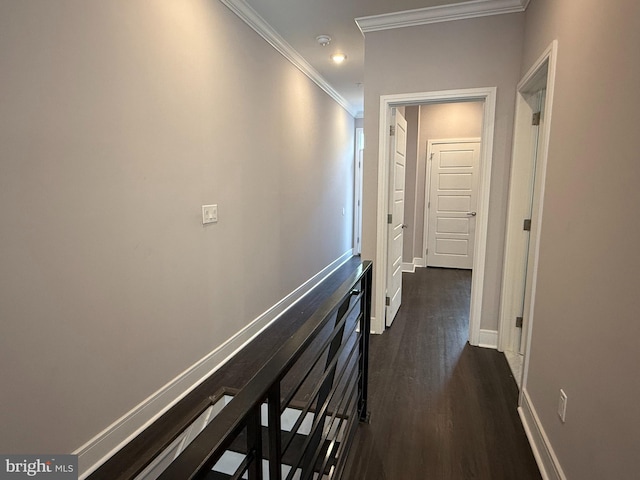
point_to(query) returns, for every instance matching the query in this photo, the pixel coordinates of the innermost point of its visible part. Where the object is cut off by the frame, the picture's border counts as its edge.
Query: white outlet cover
(209, 214)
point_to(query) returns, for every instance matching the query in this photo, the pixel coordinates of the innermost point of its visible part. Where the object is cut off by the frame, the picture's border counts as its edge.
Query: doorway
(387, 102)
(524, 216)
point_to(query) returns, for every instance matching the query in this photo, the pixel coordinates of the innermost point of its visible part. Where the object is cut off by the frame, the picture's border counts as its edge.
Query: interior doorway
(433, 194)
(387, 102)
(524, 216)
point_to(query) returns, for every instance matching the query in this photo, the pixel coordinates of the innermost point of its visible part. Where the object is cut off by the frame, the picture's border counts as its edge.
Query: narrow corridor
(440, 408)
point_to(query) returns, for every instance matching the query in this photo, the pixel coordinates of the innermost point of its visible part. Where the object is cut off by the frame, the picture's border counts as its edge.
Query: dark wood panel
(440, 409)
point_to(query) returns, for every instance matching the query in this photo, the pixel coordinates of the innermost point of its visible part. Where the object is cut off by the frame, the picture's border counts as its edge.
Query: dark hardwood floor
(440, 409)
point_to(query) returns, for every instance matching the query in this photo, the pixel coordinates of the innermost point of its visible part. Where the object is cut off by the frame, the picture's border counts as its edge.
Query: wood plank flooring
(440, 409)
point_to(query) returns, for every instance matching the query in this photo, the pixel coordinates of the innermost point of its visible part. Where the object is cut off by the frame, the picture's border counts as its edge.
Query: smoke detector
(323, 40)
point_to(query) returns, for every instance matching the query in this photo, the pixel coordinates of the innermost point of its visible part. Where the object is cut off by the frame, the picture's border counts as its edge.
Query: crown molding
(443, 13)
(266, 31)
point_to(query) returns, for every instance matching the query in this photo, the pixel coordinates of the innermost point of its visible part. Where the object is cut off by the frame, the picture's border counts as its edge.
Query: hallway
(440, 409)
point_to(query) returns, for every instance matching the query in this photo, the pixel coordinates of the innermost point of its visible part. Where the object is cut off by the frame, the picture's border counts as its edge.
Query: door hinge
(387, 301)
(519, 322)
(527, 225)
(427, 251)
(428, 204)
(389, 218)
(392, 130)
(431, 157)
(535, 120)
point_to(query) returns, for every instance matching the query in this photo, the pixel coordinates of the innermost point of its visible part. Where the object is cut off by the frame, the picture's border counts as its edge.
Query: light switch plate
(209, 214)
(562, 406)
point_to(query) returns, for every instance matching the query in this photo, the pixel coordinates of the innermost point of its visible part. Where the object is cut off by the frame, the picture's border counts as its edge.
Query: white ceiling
(299, 22)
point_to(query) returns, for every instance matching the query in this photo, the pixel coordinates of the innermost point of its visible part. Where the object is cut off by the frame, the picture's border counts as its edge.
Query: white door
(452, 203)
(397, 159)
(521, 330)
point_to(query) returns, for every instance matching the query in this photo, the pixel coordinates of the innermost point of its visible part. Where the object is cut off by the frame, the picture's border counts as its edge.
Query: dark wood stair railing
(319, 373)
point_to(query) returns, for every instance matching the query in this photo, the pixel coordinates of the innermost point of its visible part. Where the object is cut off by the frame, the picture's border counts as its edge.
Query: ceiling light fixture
(323, 40)
(338, 57)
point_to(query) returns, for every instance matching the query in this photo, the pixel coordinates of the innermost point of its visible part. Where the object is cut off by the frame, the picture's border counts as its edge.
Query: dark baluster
(325, 390)
(254, 444)
(275, 433)
(365, 327)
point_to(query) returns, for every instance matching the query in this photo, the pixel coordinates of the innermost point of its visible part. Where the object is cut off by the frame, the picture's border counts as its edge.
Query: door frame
(486, 95)
(395, 224)
(357, 191)
(427, 189)
(544, 69)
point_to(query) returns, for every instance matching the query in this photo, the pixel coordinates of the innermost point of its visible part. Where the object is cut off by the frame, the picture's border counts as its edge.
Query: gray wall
(480, 52)
(437, 121)
(119, 120)
(586, 328)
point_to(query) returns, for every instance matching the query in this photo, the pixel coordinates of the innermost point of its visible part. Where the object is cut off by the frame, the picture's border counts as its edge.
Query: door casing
(542, 73)
(387, 102)
(395, 226)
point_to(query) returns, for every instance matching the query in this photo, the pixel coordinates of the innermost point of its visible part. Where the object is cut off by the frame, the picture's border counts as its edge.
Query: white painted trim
(106, 443)
(550, 55)
(248, 15)
(511, 265)
(514, 268)
(410, 267)
(373, 330)
(440, 13)
(488, 339)
(436, 141)
(486, 94)
(547, 461)
(380, 272)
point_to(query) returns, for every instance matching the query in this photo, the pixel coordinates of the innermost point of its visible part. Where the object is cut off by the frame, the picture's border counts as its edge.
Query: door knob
(404, 226)
(471, 214)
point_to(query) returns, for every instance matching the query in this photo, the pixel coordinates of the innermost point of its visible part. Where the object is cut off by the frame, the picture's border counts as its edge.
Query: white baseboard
(373, 327)
(546, 459)
(488, 339)
(105, 444)
(410, 267)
